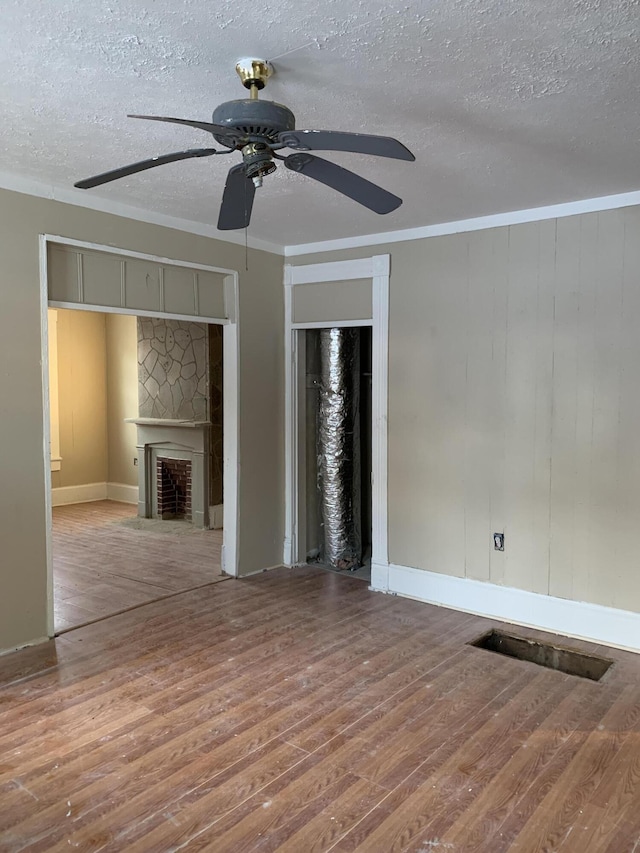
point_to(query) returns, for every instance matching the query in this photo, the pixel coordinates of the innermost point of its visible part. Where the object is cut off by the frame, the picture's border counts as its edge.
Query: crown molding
(79, 198)
(496, 220)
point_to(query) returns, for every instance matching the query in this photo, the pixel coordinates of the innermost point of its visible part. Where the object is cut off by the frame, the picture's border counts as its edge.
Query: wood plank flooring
(297, 711)
(101, 566)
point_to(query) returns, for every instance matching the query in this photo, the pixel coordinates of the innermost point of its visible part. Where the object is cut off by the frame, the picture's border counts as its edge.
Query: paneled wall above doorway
(146, 286)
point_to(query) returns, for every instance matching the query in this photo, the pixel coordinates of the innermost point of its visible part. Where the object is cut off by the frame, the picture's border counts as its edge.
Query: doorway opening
(337, 442)
(113, 377)
(340, 295)
(140, 363)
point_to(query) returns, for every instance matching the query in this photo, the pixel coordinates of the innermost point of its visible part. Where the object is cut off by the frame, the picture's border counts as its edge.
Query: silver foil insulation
(339, 448)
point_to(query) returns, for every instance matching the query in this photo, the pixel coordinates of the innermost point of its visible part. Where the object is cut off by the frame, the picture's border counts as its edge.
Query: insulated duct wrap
(339, 448)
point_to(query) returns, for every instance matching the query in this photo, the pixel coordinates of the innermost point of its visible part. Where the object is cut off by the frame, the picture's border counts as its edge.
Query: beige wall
(122, 397)
(330, 301)
(514, 405)
(82, 399)
(261, 413)
(23, 596)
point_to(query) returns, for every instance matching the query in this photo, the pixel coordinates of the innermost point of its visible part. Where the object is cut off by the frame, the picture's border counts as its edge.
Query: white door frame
(230, 425)
(376, 268)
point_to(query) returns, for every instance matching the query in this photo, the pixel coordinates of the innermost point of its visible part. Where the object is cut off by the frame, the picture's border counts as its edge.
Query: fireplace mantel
(174, 439)
(167, 422)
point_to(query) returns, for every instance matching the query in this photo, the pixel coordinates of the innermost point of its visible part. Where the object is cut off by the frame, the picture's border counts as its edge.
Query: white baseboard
(216, 517)
(379, 577)
(78, 494)
(580, 619)
(122, 493)
(94, 492)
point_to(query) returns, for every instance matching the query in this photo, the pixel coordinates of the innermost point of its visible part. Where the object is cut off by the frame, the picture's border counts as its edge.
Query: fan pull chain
(246, 231)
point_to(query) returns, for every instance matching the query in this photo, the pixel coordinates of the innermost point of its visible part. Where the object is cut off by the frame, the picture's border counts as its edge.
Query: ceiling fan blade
(123, 171)
(334, 140)
(345, 182)
(229, 133)
(237, 200)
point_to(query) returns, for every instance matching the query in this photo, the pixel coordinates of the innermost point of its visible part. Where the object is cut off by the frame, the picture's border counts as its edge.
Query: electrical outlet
(498, 541)
(135, 461)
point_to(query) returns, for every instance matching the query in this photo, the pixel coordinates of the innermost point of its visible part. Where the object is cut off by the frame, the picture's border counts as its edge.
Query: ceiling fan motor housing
(258, 121)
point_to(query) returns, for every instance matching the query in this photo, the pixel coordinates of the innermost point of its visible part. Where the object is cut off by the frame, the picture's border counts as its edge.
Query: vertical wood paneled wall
(515, 406)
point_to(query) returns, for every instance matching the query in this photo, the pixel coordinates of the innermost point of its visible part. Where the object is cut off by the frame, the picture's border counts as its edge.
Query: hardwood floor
(297, 711)
(103, 564)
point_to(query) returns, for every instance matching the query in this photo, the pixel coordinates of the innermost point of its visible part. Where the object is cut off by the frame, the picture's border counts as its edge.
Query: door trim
(377, 268)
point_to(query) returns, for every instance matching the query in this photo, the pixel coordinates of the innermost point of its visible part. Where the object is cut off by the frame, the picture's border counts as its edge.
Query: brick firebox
(173, 483)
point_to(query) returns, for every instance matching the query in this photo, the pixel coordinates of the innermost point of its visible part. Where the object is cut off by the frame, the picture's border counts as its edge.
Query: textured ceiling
(507, 104)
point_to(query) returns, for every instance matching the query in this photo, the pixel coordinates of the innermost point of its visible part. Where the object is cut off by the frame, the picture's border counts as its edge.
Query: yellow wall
(82, 398)
(514, 405)
(97, 389)
(122, 397)
(23, 573)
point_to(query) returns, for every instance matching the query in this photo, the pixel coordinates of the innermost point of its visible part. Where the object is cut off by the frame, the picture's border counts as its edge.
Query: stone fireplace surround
(173, 439)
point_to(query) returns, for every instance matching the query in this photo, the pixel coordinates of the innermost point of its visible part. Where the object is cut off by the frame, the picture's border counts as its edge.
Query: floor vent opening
(544, 654)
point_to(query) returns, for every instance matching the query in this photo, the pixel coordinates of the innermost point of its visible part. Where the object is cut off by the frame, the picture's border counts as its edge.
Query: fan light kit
(259, 130)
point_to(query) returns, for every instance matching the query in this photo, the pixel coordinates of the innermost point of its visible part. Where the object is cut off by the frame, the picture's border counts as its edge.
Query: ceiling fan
(259, 130)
